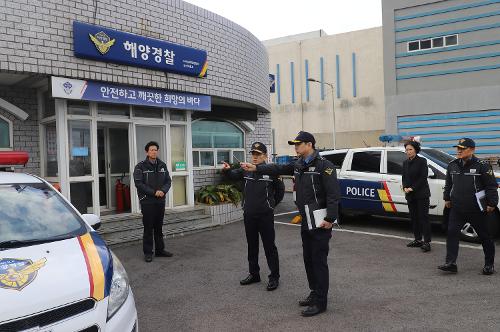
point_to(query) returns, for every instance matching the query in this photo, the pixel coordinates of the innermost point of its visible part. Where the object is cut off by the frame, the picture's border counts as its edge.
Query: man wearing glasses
(471, 194)
(317, 190)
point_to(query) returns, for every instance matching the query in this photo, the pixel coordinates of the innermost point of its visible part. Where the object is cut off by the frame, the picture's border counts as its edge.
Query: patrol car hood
(49, 275)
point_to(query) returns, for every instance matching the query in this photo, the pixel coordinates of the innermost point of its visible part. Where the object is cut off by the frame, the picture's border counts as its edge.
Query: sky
(269, 19)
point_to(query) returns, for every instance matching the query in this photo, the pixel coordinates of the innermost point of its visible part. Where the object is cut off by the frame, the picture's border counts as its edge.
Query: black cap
(258, 147)
(465, 143)
(303, 136)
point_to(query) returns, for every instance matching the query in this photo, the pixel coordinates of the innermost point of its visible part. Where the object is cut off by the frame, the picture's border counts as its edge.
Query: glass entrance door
(114, 168)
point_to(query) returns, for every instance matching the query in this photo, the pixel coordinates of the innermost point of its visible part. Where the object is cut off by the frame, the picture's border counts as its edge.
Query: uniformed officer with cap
(316, 185)
(260, 194)
(471, 194)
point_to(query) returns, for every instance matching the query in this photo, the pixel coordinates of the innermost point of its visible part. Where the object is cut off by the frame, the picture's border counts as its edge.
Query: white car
(56, 273)
(371, 183)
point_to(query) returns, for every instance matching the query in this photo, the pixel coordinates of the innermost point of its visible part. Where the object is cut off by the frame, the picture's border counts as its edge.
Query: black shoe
(426, 246)
(148, 258)
(308, 301)
(488, 270)
(164, 253)
(273, 284)
(414, 244)
(313, 310)
(250, 279)
(448, 267)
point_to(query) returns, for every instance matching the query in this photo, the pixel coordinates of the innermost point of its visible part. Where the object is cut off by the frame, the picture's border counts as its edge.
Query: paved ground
(377, 284)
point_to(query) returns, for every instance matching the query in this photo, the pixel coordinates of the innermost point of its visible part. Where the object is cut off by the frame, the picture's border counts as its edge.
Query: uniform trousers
(479, 220)
(419, 214)
(263, 224)
(315, 246)
(152, 219)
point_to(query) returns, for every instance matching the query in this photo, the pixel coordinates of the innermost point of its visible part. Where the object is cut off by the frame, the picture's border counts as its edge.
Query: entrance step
(124, 228)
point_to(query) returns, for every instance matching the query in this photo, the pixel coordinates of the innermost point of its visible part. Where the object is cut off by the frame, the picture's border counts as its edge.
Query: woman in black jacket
(417, 192)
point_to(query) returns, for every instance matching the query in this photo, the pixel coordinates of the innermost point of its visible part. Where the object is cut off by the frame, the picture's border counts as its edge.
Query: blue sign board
(120, 94)
(82, 151)
(272, 83)
(104, 44)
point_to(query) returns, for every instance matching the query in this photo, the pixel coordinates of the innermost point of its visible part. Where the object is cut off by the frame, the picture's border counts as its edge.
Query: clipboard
(314, 217)
(481, 200)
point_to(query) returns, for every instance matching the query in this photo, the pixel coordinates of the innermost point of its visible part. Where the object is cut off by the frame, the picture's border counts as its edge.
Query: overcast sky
(269, 19)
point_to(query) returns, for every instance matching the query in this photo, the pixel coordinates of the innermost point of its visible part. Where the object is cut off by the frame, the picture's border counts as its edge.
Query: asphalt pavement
(376, 283)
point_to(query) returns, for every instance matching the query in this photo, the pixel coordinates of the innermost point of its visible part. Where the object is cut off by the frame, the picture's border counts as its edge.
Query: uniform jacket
(464, 180)
(259, 190)
(315, 183)
(415, 173)
(149, 178)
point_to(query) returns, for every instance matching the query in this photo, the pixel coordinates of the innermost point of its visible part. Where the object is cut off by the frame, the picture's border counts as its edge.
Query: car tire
(468, 233)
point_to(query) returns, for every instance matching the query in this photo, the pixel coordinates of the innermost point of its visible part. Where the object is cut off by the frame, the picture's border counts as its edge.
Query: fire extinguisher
(126, 190)
(119, 195)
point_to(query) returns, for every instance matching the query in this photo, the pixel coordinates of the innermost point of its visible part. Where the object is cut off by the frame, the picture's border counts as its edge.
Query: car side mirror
(93, 220)
(430, 173)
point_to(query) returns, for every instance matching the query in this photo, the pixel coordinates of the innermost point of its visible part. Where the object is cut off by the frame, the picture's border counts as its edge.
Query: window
(368, 161)
(5, 133)
(395, 161)
(413, 46)
(148, 112)
(337, 159)
(215, 141)
(438, 42)
(76, 107)
(113, 109)
(425, 44)
(451, 40)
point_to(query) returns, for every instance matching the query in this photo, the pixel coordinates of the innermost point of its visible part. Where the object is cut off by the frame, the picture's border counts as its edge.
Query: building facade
(347, 69)
(84, 110)
(442, 71)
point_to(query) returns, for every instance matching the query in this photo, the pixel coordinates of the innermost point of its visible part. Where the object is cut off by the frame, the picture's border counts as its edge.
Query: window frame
(11, 134)
(419, 41)
(215, 150)
(387, 162)
(380, 166)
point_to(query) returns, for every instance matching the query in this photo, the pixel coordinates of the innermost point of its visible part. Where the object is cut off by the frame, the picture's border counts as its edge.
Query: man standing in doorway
(153, 182)
(317, 190)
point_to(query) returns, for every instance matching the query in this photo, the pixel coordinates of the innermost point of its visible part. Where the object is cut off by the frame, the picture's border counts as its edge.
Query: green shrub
(217, 194)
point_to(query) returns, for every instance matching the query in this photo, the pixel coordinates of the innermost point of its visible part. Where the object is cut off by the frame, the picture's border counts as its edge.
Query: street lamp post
(333, 107)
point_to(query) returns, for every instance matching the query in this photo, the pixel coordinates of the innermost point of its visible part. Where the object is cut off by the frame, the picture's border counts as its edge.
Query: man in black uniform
(316, 188)
(471, 194)
(258, 210)
(153, 182)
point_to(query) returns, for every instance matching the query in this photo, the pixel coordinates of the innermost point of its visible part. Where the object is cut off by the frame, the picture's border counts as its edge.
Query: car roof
(11, 177)
(389, 148)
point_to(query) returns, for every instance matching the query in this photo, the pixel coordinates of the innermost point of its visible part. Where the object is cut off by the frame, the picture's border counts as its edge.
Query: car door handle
(393, 180)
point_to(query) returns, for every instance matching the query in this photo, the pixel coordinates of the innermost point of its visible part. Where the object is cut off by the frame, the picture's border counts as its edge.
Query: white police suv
(56, 273)
(371, 183)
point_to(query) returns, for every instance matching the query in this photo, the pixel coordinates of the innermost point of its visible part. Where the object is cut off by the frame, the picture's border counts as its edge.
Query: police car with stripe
(56, 273)
(371, 183)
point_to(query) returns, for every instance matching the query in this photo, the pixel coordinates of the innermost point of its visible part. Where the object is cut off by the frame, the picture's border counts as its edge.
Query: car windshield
(35, 212)
(439, 157)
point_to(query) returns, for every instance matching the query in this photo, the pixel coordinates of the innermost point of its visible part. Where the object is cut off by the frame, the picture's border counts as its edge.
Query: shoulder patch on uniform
(490, 171)
(329, 171)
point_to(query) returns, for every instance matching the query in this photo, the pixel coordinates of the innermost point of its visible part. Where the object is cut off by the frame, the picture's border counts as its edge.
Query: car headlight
(119, 287)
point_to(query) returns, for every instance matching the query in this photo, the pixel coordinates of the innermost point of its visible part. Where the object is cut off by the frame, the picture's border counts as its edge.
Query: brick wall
(36, 37)
(26, 134)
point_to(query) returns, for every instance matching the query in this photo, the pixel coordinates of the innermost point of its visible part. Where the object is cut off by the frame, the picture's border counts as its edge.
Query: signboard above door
(109, 45)
(122, 94)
